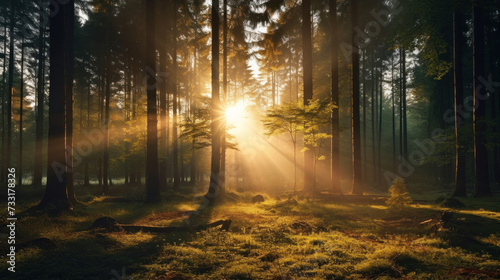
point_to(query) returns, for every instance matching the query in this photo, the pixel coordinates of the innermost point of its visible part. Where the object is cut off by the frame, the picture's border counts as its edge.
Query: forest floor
(329, 238)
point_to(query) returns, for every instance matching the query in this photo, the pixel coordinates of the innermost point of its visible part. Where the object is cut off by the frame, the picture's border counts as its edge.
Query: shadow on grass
(98, 255)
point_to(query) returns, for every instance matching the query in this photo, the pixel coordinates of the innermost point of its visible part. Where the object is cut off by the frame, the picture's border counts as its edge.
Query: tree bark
(107, 97)
(152, 182)
(373, 114)
(175, 145)
(3, 172)
(37, 172)
(213, 191)
(224, 98)
(335, 157)
(405, 126)
(357, 187)
(393, 100)
(10, 86)
(460, 156)
(56, 195)
(163, 107)
(69, 47)
(21, 97)
(481, 186)
(309, 183)
(379, 148)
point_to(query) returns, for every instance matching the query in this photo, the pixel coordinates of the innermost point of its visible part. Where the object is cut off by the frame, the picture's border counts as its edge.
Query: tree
(21, 97)
(152, 179)
(37, 173)
(308, 85)
(175, 97)
(213, 191)
(10, 87)
(224, 98)
(69, 25)
(314, 117)
(56, 193)
(286, 118)
(356, 140)
(107, 97)
(481, 186)
(335, 164)
(162, 84)
(458, 45)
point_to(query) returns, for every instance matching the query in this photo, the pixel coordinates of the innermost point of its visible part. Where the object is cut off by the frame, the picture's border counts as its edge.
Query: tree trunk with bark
(213, 194)
(152, 182)
(309, 183)
(56, 198)
(37, 172)
(481, 186)
(460, 153)
(357, 187)
(335, 157)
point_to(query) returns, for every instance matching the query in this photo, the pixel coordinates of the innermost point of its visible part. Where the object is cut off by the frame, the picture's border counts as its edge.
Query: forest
(259, 139)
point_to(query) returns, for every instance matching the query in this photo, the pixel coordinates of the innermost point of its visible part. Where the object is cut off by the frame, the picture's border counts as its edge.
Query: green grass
(271, 240)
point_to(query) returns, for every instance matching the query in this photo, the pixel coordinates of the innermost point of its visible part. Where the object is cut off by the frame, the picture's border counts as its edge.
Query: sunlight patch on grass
(379, 207)
(482, 213)
(128, 240)
(97, 199)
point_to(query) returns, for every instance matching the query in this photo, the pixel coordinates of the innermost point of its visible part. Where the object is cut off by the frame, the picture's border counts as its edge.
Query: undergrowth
(270, 240)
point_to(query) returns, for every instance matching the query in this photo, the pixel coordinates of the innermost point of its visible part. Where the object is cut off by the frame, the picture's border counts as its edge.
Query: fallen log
(110, 225)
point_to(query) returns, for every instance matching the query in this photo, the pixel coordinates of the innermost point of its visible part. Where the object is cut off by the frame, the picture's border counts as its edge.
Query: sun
(235, 114)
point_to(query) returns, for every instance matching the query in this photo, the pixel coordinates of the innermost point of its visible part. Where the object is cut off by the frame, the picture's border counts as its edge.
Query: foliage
(286, 118)
(294, 118)
(400, 198)
(316, 116)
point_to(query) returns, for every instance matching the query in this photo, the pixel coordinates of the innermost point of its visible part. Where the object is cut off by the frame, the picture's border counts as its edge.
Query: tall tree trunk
(10, 85)
(193, 170)
(309, 183)
(460, 156)
(69, 47)
(364, 82)
(224, 98)
(374, 115)
(496, 104)
(107, 97)
(401, 149)
(4, 152)
(481, 186)
(393, 97)
(380, 104)
(334, 50)
(175, 105)
(214, 187)
(152, 183)
(21, 97)
(56, 195)
(163, 106)
(37, 172)
(357, 187)
(405, 123)
(86, 177)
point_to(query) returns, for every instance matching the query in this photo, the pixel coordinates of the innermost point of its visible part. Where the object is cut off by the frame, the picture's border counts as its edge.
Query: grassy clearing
(282, 239)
